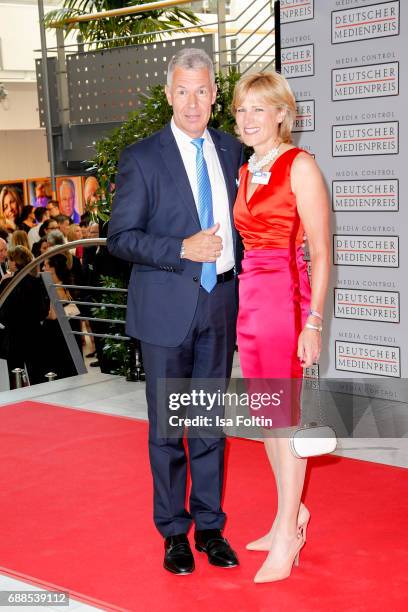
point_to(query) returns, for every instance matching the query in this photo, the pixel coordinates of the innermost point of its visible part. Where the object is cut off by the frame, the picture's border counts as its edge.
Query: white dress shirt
(3, 269)
(34, 235)
(218, 189)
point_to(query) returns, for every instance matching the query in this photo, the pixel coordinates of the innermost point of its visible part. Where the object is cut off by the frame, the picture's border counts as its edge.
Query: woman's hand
(309, 347)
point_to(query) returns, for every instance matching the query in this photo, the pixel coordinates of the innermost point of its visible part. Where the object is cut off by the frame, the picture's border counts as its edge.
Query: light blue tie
(205, 211)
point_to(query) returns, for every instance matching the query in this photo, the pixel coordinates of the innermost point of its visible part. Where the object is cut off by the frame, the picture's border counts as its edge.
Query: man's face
(3, 250)
(53, 225)
(90, 188)
(93, 231)
(85, 231)
(67, 199)
(63, 227)
(191, 94)
(53, 209)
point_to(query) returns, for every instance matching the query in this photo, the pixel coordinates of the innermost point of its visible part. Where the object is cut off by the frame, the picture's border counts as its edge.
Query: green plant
(116, 351)
(152, 117)
(124, 27)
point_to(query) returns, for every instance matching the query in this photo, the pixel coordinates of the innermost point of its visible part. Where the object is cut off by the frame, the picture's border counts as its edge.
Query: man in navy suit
(172, 218)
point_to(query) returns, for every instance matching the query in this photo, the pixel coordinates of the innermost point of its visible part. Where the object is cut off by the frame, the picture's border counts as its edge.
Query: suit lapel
(173, 161)
(227, 168)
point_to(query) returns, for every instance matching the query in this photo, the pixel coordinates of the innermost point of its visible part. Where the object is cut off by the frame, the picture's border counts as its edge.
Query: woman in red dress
(281, 196)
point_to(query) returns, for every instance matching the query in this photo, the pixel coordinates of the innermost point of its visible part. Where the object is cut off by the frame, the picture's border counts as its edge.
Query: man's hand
(203, 246)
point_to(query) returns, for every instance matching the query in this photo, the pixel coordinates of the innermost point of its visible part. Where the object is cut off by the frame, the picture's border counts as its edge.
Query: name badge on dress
(261, 178)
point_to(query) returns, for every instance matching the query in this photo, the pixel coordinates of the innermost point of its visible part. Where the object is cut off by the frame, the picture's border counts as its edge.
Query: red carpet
(75, 512)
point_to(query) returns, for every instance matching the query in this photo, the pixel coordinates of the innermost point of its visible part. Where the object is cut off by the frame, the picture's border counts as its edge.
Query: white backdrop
(346, 62)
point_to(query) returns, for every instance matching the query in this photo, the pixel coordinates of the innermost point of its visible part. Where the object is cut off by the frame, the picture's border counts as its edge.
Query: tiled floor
(110, 394)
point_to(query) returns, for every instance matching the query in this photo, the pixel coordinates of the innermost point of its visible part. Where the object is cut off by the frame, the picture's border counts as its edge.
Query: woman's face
(40, 190)
(84, 231)
(43, 247)
(10, 207)
(258, 123)
(78, 233)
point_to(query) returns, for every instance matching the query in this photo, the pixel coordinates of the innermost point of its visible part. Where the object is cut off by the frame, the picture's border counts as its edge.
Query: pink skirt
(274, 301)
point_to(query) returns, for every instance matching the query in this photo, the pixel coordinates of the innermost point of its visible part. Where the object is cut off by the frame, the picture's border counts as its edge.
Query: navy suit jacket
(153, 211)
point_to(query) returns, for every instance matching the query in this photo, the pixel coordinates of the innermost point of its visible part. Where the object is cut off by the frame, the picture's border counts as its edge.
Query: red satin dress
(274, 288)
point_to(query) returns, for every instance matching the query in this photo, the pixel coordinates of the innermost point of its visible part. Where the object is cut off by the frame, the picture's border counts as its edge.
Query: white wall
(19, 111)
(23, 154)
(19, 37)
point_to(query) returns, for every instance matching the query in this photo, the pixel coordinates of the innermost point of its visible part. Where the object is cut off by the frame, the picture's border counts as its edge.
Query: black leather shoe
(178, 557)
(218, 550)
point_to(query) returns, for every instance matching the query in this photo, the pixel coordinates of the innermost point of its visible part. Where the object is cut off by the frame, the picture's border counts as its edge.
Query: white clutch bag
(312, 441)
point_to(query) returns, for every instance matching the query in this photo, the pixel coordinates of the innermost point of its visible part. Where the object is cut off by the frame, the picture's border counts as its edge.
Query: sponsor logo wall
(345, 63)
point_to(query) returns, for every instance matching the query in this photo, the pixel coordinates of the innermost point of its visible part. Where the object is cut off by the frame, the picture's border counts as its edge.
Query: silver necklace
(255, 164)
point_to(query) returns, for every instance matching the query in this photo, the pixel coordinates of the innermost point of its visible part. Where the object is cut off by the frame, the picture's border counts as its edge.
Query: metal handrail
(249, 21)
(83, 318)
(60, 248)
(251, 34)
(117, 38)
(204, 29)
(254, 47)
(187, 28)
(136, 9)
(82, 303)
(87, 287)
(263, 67)
(113, 337)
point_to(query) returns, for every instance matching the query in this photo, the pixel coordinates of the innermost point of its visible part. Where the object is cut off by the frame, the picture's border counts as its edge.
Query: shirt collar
(183, 140)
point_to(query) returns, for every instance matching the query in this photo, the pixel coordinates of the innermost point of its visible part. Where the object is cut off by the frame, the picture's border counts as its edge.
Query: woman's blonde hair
(71, 232)
(20, 255)
(19, 238)
(274, 90)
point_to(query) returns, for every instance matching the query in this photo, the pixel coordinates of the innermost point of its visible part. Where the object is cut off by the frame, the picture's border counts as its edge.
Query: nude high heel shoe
(303, 521)
(264, 544)
(273, 574)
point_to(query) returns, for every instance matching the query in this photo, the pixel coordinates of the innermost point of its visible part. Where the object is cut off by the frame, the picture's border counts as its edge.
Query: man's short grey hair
(190, 59)
(68, 182)
(55, 237)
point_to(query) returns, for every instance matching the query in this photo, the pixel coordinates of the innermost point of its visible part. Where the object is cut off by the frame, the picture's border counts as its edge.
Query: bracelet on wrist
(314, 313)
(182, 251)
(318, 328)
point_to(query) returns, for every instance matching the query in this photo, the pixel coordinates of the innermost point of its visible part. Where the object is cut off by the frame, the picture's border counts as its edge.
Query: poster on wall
(90, 191)
(12, 200)
(39, 191)
(345, 64)
(69, 196)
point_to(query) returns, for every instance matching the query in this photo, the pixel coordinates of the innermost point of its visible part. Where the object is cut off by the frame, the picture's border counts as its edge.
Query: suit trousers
(206, 352)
